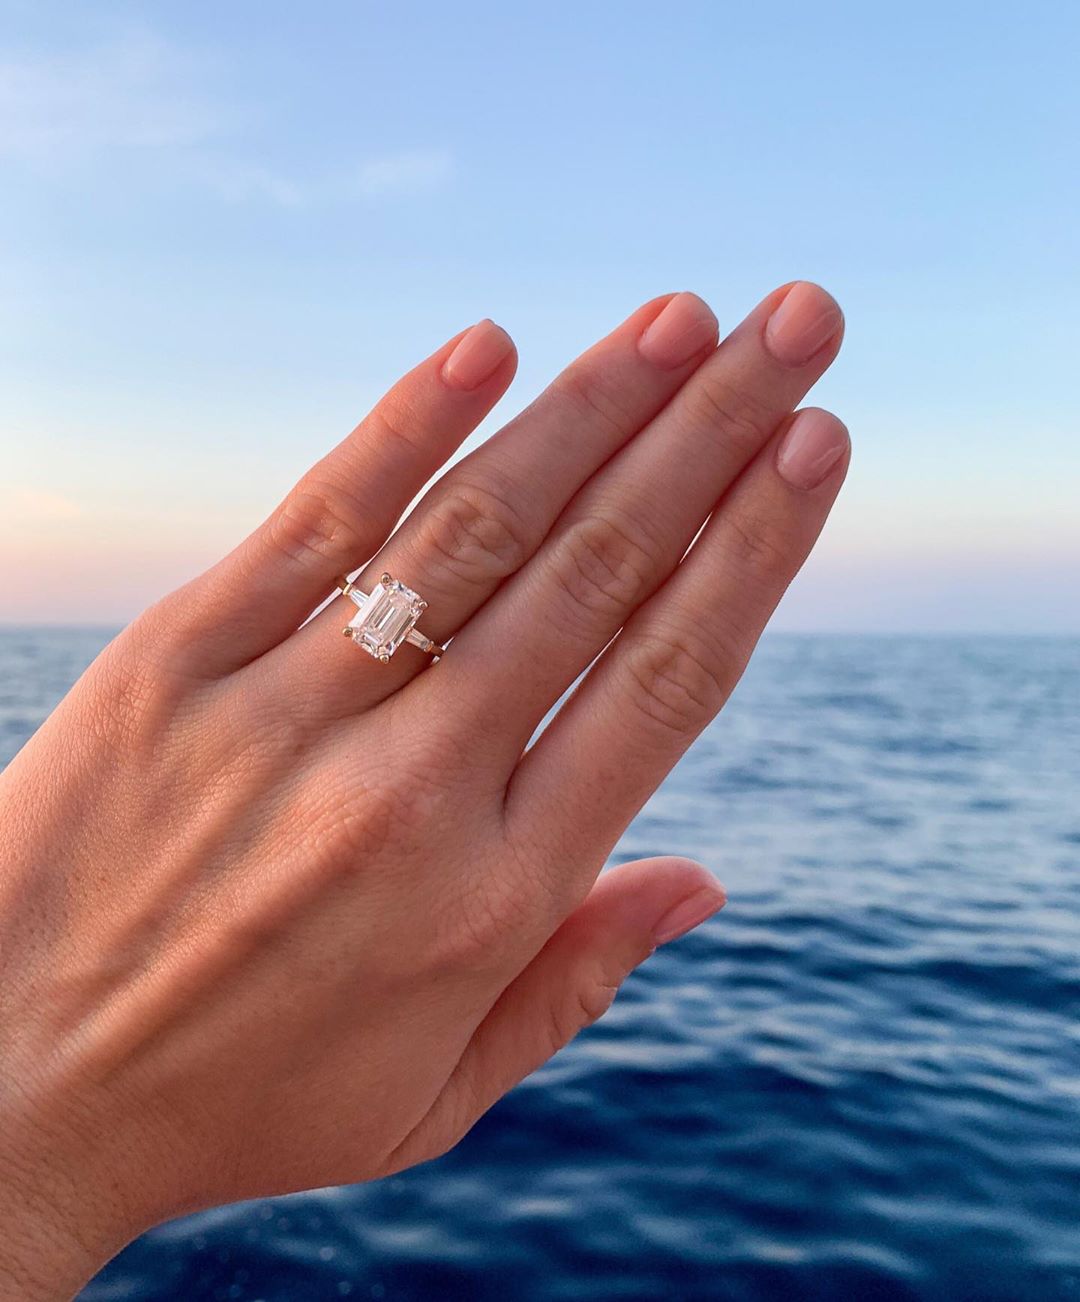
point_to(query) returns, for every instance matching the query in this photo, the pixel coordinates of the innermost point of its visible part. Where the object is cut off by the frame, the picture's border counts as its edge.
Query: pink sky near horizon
(65, 563)
(217, 251)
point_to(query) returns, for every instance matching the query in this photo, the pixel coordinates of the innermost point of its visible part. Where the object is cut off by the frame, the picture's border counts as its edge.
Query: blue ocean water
(861, 1081)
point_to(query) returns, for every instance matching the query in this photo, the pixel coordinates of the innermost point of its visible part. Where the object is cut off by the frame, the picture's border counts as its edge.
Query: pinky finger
(568, 985)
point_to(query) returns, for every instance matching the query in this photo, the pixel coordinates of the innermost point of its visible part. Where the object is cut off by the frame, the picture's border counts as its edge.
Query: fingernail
(814, 443)
(805, 321)
(683, 329)
(688, 914)
(477, 356)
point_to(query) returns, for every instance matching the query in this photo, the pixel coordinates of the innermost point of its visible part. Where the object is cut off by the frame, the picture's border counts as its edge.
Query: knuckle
(364, 831)
(755, 551)
(392, 813)
(348, 838)
(603, 567)
(173, 634)
(587, 1000)
(719, 403)
(319, 519)
(492, 916)
(678, 682)
(478, 535)
(138, 695)
(486, 923)
(393, 424)
(593, 400)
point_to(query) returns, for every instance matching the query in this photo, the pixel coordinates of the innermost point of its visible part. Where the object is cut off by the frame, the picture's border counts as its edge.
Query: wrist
(57, 1227)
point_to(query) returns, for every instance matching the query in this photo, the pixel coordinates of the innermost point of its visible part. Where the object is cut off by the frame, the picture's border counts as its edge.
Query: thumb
(568, 985)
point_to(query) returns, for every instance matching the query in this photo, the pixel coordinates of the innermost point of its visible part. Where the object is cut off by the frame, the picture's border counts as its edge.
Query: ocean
(860, 1081)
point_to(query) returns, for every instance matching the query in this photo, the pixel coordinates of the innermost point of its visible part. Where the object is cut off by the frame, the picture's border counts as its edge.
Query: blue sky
(225, 229)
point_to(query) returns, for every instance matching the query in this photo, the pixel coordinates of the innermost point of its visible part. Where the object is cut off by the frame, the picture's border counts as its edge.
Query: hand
(274, 915)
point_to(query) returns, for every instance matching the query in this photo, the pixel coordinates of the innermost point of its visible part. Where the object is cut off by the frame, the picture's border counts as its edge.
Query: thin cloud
(412, 172)
(134, 92)
(240, 182)
(138, 93)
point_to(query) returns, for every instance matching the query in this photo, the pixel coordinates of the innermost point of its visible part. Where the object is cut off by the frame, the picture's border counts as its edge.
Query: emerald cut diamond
(385, 617)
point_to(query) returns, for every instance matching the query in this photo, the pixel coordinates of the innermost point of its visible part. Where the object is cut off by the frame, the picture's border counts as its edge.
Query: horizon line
(73, 626)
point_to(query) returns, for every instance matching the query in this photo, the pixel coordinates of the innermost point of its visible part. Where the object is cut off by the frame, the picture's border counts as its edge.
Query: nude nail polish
(688, 914)
(477, 356)
(803, 323)
(683, 329)
(814, 443)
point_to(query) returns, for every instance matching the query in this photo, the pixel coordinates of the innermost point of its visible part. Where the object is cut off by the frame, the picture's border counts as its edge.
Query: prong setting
(385, 617)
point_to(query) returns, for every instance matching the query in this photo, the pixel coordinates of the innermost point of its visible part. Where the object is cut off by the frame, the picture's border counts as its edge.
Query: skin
(274, 916)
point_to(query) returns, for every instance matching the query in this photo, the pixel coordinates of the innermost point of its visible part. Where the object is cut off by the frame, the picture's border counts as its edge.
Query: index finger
(343, 508)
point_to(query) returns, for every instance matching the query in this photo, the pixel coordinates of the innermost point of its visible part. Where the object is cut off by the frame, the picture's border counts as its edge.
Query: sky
(226, 229)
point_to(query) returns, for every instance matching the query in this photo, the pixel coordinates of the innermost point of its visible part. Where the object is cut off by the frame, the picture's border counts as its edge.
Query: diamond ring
(386, 618)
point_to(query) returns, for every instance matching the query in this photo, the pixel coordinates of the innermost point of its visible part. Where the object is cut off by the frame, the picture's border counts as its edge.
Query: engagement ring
(386, 617)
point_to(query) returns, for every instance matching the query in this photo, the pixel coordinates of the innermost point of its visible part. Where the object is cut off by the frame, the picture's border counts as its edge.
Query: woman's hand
(274, 915)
